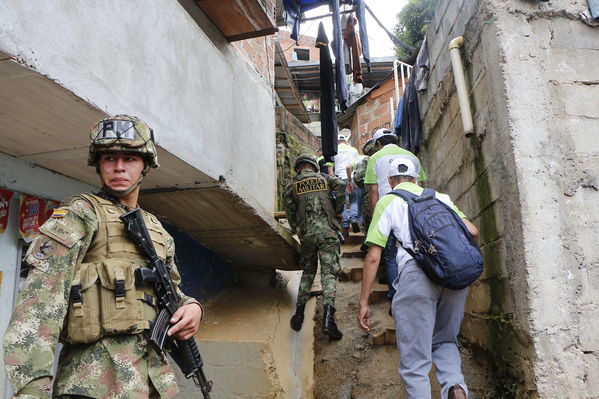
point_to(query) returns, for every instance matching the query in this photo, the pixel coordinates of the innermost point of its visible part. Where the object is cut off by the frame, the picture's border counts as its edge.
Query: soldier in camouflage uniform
(313, 216)
(81, 290)
(358, 177)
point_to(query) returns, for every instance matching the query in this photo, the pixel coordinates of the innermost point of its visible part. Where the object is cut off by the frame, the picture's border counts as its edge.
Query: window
(302, 54)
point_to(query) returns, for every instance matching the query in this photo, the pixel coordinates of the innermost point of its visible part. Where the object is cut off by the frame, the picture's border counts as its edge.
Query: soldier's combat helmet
(306, 158)
(123, 133)
(368, 147)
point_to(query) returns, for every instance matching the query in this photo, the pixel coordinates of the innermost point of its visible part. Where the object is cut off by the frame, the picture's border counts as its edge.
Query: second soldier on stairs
(315, 218)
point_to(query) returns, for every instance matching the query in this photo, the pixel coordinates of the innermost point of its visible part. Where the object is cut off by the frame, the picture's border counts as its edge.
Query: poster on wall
(5, 197)
(31, 217)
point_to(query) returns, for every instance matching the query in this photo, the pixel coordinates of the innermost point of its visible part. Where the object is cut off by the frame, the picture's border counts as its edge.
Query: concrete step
(351, 274)
(387, 337)
(353, 253)
(379, 293)
(354, 239)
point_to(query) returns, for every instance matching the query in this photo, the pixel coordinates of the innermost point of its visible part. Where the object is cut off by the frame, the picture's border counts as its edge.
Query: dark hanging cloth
(352, 40)
(339, 57)
(361, 14)
(328, 118)
(423, 67)
(398, 116)
(410, 128)
(292, 16)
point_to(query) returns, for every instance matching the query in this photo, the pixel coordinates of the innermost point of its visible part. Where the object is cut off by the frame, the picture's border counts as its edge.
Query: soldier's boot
(298, 318)
(329, 326)
(457, 392)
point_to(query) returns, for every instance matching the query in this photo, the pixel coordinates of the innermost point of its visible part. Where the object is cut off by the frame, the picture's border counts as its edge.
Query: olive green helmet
(123, 133)
(368, 147)
(306, 158)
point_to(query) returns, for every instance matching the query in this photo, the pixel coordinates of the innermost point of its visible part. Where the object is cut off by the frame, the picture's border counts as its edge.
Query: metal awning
(306, 75)
(45, 124)
(286, 88)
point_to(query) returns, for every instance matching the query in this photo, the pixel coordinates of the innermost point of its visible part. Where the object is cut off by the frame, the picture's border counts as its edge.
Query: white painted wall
(151, 59)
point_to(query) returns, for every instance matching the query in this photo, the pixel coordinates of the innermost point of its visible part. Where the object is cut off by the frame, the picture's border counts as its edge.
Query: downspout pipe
(460, 84)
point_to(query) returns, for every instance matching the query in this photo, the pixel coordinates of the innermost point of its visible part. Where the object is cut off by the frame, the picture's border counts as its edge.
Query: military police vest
(313, 200)
(105, 299)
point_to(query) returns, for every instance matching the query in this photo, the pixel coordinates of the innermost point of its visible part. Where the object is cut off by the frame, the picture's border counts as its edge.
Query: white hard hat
(404, 165)
(380, 133)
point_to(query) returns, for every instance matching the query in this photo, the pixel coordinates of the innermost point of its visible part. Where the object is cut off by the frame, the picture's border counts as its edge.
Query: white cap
(380, 133)
(344, 136)
(404, 166)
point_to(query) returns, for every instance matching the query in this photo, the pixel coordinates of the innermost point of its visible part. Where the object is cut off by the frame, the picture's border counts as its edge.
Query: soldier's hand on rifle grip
(186, 321)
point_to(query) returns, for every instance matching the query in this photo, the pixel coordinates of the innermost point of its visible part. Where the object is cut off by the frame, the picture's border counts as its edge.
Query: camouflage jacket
(316, 220)
(116, 367)
(360, 172)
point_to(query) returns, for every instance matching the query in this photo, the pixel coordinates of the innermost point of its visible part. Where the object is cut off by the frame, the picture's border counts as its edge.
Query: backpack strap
(428, 193)
(406, 196)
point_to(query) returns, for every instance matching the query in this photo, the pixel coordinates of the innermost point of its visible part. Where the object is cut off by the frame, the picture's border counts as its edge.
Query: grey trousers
(427, 323)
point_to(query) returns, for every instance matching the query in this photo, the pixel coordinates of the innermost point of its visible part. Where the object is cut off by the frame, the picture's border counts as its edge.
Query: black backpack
(443, 247)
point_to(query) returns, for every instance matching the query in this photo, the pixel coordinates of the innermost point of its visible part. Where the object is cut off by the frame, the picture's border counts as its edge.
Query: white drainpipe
(460, 84)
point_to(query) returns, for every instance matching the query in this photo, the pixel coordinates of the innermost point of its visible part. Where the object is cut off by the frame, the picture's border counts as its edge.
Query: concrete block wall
(478, 174)
(528, 179)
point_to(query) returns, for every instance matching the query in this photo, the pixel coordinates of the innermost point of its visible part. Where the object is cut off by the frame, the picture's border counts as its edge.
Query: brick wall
(305, 42)
(259, 51)
(373, 113)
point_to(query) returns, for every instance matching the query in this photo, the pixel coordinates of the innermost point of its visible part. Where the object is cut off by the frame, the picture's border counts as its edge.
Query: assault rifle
(185, 353)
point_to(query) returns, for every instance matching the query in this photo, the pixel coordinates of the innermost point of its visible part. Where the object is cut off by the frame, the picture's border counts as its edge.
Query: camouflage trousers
(325, 248)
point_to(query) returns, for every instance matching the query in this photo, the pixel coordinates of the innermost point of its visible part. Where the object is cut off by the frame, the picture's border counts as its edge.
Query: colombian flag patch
(59, 213)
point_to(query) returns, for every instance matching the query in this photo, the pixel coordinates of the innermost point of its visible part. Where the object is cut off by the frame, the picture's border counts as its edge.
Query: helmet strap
(121, 193)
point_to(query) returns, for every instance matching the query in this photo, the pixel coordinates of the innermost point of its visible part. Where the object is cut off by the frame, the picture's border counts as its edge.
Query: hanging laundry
(293, 10)
(361, 14)
(410, 128)
(398, 116)
(339, 57)
(292, 15)
(352, 40)
(423, 68)
(346, 47)
(328, 118)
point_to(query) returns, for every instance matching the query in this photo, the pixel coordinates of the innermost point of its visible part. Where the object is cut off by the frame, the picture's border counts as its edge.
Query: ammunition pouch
(105, 300)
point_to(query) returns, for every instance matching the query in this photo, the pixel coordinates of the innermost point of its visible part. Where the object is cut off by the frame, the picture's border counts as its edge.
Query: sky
(380, 44)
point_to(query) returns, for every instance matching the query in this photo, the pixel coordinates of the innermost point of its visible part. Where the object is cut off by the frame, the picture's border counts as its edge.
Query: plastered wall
(528, 179)
(165, 62)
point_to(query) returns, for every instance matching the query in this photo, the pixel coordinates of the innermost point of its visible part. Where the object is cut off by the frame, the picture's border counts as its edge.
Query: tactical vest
(104, 299)
(313, 199)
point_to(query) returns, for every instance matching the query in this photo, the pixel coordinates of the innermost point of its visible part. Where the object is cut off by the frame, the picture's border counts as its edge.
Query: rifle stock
(185, 353)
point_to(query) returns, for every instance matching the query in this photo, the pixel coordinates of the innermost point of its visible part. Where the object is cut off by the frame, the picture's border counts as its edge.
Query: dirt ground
(354, 368)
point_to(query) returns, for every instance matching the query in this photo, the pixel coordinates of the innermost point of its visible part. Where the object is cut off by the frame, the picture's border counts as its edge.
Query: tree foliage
(412, 23)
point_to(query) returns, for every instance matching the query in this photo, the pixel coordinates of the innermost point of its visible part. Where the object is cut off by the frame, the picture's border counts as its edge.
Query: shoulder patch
(66, 231)
(59, 213)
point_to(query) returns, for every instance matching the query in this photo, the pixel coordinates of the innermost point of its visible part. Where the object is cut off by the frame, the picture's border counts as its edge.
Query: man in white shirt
(345, 155)
(427, 316)
(377, 185)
